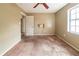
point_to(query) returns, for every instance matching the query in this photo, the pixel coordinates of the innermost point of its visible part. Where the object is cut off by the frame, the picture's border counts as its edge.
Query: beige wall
(47, 19)
(9, 26)
(61, 26)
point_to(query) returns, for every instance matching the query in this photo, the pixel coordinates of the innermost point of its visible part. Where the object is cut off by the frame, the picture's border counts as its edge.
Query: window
(73, 19)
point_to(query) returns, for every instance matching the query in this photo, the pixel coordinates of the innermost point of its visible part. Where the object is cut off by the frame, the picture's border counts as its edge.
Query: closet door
(29, 25)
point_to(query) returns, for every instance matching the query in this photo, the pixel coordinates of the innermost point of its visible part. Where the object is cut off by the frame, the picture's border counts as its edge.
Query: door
(29, 25)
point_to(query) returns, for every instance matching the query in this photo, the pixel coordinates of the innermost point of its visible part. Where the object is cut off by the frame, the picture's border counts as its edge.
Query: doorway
(27, 25)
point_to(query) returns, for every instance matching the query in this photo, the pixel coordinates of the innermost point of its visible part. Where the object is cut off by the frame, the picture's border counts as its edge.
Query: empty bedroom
(39, 29)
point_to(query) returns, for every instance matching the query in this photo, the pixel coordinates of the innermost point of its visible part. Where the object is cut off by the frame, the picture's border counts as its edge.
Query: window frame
(70, 20)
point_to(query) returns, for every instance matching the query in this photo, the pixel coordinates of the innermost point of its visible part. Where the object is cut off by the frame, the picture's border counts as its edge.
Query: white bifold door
(29, 26)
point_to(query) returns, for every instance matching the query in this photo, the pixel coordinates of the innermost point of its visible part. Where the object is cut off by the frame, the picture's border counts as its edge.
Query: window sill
(74, 33)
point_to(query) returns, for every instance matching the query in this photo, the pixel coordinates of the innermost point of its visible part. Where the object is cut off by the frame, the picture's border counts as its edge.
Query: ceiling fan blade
(36, 5)
(45, 5)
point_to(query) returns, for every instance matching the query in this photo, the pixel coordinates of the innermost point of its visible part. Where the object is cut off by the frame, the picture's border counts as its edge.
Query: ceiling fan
(44, 4)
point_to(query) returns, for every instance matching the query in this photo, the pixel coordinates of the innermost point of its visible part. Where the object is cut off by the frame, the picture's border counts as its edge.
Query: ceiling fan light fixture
(44, 4)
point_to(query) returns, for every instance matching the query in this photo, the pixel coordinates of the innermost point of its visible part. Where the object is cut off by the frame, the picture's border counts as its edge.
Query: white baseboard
(67, 43)
(10, 47)
(43, 34)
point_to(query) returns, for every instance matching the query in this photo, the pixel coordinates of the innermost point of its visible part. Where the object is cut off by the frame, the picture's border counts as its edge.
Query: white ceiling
(53, 7)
